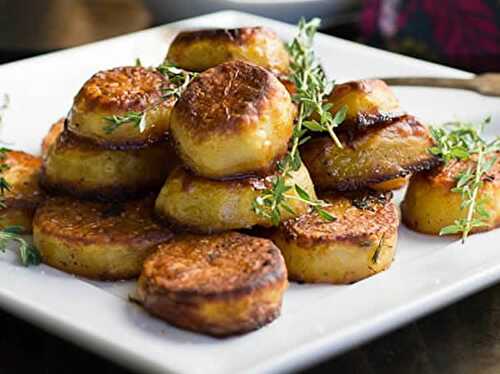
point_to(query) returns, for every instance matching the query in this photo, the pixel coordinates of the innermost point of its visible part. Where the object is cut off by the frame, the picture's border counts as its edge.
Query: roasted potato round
(360, 243)
(123, 91)
(391, 185)
(203, 205)
(203, 49)
(372, 156)
(234, 119)
(106, 241)
(368, 102)
(50, 138)
(219, 285)
(80, 168)
(24, 194)
(430, 204)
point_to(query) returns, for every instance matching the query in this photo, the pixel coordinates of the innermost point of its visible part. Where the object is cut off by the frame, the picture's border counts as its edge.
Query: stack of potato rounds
(131, 165)
(100, 168)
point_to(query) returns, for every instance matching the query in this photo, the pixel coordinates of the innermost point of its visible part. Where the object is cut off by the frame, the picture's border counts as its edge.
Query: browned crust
(103, 194)
(355, 224)
(228, 264)
(122, 89)
(357, 184)
(25, 194)
(446, 175)
(50, 138)
(184, 314)
(238, 36)
(225, 99)
(179, 277)
(365, 119)
(403, 126)
(83, 222)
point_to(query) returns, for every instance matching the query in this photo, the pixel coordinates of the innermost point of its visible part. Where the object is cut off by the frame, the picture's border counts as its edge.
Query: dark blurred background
(459, 33)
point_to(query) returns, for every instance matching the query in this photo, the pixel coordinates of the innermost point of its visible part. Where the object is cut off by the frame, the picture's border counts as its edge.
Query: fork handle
(466, 84)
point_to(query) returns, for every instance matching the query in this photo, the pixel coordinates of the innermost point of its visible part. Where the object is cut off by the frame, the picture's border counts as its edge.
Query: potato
(119, 92)
(106, 241)
(80, 168)
(219, 285)
(24, 195)
(50, 138)
(368, 102)
(375, 155)
(391, 185)
(234, 119)
(203, 205)
(429, 204)
(203, 49)
(360, 243)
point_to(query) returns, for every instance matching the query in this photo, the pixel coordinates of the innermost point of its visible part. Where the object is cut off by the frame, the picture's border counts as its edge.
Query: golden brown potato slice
(55, 130)
(118, 92)
(22, 173)
(360, 243)
(430, 205)
(391, 185)
(203, 49)
(80, 168)
(234, 119)
(204, 205)
(106, 241)
(368, 102)
(375, 155)
(219, 285)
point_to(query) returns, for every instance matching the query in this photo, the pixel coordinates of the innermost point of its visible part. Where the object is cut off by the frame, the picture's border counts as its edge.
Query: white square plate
(317, 320)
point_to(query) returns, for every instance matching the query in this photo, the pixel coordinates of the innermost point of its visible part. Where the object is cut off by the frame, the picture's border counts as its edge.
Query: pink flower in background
(458, 32)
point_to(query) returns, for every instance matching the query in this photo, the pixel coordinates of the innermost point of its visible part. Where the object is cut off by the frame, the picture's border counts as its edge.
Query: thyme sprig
(461, 142)
(179, 79)
(133, 118)
(28, 253)
(312, 86)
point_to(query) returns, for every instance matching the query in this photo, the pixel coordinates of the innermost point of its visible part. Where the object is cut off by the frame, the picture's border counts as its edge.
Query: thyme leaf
(114, 122)
(178, 77)
(461, 141)
(27, 252)
(312, 84)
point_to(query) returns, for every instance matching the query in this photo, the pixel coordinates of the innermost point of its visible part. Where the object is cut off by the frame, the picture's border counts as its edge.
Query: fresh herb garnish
(138, 62)
(114, 122)
(179, 79)
(378, 250)
(28, 254)
(312, 86)
(462, 142)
